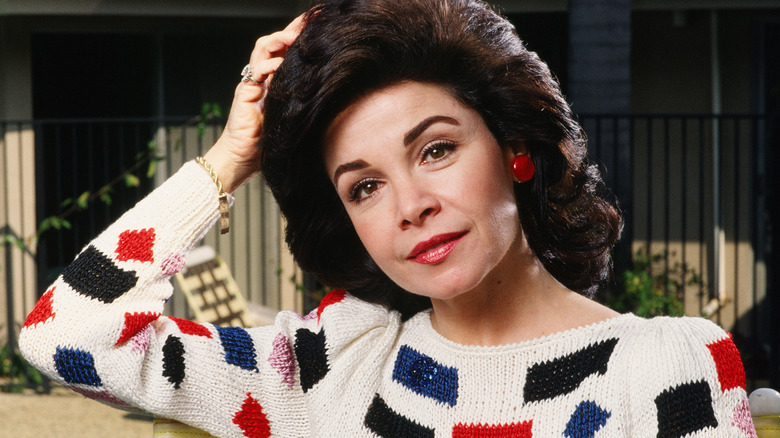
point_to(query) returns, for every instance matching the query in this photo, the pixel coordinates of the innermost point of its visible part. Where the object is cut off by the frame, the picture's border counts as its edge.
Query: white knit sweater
(354, 369)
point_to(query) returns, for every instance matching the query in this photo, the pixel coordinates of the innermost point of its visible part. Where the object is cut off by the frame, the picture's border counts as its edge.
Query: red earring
(522, 168)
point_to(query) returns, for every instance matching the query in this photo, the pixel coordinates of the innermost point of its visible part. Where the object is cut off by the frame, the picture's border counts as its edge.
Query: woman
(428, 165)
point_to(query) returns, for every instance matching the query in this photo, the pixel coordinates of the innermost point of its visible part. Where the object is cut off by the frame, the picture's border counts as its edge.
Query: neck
(529, 303)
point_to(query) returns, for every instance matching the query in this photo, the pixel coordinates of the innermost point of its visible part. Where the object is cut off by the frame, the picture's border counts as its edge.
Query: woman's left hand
(235, 156)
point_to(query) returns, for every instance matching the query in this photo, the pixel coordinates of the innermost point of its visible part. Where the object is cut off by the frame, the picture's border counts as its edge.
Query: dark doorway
(769, 309)
(94, 96)
(94, 75)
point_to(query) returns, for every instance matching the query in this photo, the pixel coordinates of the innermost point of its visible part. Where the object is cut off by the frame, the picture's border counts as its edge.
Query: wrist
(234, 169)
(224, 205)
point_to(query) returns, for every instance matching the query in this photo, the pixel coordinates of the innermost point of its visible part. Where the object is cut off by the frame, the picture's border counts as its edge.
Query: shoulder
(342, 321)
(678, 332)
(685, 373)
(339, 308)
(680, 343)
(686, 349)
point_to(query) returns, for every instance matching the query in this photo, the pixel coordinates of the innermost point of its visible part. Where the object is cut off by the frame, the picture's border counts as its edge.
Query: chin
(447, 290)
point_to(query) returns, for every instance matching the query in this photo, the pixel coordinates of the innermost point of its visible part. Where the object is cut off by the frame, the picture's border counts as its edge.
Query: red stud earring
(522, 168)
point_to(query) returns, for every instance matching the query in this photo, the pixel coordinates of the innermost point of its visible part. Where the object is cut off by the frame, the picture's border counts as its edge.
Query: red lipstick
(435, 249)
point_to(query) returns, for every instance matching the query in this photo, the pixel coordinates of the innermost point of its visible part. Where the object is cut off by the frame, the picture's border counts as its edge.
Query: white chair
(765, 410)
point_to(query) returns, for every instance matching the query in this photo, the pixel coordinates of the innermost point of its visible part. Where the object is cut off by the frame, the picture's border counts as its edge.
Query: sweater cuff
(182, 209)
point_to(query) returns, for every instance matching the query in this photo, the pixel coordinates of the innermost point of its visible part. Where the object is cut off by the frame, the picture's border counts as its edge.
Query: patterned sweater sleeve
(99, 330)
(687, 379)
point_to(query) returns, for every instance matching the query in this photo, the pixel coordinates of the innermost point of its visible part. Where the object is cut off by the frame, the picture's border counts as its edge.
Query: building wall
(17, 177)
(17, 219)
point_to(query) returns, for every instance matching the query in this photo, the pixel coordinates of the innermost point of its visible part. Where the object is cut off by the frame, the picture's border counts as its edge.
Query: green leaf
(106, 198)
(131, 180)
(217, 110)
(83, 200)
(205, 109)
(44, 225)
(66, 202)
(152, 168)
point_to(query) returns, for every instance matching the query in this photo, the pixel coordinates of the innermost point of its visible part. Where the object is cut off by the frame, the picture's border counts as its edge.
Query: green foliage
(15, 373)
(208, 112)
(9, 239)
(653, 286)
(132, 180)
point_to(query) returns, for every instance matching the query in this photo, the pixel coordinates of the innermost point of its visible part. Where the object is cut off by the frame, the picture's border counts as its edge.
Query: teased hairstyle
(350, 48)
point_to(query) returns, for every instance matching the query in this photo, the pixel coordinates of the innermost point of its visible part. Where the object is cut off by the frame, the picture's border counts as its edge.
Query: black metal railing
(694, 187)
(700, 192)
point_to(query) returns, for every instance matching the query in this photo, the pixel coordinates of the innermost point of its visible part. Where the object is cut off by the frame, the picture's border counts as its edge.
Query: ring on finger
(247, 75)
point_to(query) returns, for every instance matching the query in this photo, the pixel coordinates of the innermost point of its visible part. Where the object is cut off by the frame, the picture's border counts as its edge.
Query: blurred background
(102, 100)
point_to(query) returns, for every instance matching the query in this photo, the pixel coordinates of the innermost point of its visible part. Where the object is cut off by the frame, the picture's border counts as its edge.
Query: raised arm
(98, 329)
(235, 156)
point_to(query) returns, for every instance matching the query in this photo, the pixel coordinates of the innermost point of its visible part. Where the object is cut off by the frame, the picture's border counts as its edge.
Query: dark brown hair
(349, 48)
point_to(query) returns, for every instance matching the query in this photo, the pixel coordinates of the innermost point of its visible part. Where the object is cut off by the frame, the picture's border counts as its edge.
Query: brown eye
(435, 153)
(368, 188)
(363, 190)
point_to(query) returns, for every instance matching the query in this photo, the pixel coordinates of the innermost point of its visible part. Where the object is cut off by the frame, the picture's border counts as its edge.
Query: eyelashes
(438, 152)
(363, 189)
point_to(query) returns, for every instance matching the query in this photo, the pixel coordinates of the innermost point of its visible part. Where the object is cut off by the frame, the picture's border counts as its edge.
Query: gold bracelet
(224, 207)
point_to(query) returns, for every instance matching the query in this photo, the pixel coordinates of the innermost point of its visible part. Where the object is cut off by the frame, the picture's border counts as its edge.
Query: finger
(273, 45)
(262, 70)
(268, 66)
(276, 44)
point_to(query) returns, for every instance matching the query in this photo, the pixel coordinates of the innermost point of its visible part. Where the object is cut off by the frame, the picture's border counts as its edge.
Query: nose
(415, 204)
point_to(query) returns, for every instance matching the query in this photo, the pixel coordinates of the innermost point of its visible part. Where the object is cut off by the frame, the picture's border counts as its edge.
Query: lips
(435, 249)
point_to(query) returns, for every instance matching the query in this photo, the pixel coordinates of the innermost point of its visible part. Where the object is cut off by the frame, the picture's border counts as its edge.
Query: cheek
(490, 185)
(494, 199)
(374, 236)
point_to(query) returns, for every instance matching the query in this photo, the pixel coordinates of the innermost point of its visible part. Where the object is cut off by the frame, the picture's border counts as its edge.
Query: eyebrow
(422, 126)
(346, 167)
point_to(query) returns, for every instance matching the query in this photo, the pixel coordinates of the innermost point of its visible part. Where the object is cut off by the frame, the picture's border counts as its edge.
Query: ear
(515, 148)
(519, 147)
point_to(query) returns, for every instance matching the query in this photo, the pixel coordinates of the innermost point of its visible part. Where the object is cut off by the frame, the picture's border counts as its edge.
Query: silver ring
(246, 75)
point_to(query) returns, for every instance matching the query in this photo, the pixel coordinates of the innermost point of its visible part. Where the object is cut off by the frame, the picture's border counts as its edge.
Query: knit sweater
(355, 369)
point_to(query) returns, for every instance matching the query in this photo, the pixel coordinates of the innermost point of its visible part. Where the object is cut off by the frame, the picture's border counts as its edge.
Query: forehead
(387, 115)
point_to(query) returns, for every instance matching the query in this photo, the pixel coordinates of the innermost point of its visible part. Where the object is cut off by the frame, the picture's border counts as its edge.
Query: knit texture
(353, 369)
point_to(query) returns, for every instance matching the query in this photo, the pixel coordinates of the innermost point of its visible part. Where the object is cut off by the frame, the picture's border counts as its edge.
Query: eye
(436, 151)
(363, 189)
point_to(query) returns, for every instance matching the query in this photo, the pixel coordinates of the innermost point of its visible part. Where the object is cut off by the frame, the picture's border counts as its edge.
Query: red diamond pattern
(332, 297)
(252, 420)
(191, 328)
(136, 245)
(42, 310)
(731, 373)
(134, 323)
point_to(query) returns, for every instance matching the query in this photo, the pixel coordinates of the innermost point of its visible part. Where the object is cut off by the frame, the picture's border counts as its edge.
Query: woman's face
(427, 187)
